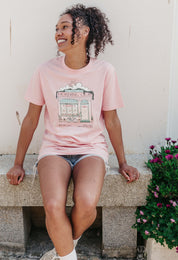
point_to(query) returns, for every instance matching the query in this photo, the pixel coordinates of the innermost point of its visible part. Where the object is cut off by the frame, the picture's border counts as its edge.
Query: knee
(54, 208)
(85, 203)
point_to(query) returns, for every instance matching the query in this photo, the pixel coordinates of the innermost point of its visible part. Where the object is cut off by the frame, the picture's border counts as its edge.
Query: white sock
(71, 256)
(76, 241)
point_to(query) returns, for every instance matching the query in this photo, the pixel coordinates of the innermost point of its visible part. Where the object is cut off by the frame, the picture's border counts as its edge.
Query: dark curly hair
(97, 21)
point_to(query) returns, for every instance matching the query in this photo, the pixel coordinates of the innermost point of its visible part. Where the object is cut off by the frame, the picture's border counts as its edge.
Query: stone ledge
(118, 201)
(120, 193)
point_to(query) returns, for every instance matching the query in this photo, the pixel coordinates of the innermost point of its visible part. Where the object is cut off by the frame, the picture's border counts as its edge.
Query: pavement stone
(88, 248)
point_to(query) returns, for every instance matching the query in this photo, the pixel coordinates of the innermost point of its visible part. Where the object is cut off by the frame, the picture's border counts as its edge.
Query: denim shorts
(72, 160)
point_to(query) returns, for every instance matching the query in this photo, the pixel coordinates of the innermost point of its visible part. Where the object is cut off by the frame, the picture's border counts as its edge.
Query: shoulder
(50, 64)
(103, 65)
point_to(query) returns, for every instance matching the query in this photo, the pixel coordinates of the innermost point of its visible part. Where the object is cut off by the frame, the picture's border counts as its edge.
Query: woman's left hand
(130, 173)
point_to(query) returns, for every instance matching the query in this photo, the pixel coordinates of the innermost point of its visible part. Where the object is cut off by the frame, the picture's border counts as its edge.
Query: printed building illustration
(75, 105)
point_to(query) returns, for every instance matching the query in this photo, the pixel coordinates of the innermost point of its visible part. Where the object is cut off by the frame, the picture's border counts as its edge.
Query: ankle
(70, 256)
(76, 241)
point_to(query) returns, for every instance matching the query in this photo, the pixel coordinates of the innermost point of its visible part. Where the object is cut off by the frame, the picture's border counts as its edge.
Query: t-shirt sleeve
(34, 93)
(112, 98)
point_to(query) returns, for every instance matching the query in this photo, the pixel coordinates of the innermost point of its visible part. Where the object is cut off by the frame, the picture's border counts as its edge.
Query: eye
(64, 27)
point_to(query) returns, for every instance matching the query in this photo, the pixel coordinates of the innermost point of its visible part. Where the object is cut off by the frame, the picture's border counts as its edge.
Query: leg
(55, 173)
(88, 176)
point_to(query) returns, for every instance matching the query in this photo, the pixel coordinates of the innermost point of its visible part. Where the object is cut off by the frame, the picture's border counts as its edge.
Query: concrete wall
(142, 31)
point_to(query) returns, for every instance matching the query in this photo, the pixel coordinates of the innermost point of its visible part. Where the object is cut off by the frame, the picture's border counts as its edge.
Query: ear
(86, 31)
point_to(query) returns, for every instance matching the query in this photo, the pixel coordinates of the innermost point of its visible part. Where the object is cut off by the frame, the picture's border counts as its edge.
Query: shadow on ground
(88, 248)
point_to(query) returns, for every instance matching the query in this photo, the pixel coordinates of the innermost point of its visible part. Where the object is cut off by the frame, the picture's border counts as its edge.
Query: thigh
(54, 174)
(88, 177)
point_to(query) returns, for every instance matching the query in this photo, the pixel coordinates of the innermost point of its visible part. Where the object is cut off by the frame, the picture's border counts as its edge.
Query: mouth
(61, 41)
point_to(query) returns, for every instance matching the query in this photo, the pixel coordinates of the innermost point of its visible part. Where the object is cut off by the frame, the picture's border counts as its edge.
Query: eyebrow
(64, 22)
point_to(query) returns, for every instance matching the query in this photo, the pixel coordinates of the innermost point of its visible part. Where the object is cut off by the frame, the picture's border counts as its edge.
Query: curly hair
(99, 33)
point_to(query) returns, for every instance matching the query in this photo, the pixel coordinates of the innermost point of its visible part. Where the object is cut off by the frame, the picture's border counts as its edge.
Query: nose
(58, 32)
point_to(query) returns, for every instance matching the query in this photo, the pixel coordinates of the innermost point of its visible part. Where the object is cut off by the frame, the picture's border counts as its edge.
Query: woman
(81, 95)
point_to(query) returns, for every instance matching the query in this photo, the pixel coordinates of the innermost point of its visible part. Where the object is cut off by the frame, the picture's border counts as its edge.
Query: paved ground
(88, 248)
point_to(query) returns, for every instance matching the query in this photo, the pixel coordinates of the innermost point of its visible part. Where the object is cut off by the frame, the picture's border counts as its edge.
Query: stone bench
(118, 200)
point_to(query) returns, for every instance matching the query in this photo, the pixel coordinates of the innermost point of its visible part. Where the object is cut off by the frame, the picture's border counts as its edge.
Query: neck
(76, 61)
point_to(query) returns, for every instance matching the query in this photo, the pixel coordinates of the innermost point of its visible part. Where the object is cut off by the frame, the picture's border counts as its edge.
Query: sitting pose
(81, 96)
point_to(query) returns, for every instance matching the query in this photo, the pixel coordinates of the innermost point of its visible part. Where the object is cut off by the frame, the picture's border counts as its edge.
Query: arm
(114, 130)
(16, 174)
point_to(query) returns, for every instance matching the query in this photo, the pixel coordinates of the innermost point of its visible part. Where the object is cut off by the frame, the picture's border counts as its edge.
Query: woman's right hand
(15, 175)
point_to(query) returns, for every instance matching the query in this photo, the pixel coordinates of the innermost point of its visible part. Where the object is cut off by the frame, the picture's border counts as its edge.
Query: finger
(126, 175)
(131, 175)
(137, 175)
(20, 179)
(132, 178)
(130, 181)
(11, 181)
(14, 179)
(134, 174)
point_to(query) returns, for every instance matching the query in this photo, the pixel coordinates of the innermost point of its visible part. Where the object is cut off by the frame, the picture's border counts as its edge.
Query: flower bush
(158, 219)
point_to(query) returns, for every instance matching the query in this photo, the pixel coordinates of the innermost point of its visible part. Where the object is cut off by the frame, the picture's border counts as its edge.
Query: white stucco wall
(142, 31)
(172, 129)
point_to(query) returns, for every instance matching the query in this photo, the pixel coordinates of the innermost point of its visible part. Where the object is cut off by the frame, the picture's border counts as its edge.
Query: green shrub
(159, 217)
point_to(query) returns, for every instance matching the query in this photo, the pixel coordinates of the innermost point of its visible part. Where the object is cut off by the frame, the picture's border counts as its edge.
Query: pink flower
(156, 160)
(176, 156)
(141, 213)
(172, 220)
(173, 141)
(159, 205)
(158, 225)
(168, 139)
(152, 147)
(174, 204)
(168, 151)
(176, 146)
(144, 220)
(157, 187)
(177, 249)
(138, 220)
(168, 205)
(156, 194)
(169, 157)
(147, 232)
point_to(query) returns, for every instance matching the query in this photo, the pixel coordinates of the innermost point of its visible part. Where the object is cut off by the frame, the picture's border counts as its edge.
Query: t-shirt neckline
(76, 70)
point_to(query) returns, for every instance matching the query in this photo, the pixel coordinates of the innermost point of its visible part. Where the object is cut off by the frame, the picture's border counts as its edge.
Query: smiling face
(63, 34)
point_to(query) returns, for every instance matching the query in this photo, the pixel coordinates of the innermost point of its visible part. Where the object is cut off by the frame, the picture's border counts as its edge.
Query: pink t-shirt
(74, 101)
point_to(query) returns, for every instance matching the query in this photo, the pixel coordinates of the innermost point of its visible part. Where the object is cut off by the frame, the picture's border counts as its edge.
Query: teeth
(61, 40)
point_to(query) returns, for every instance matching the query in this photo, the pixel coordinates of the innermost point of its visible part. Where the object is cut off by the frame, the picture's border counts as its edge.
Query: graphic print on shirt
(75, 105)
